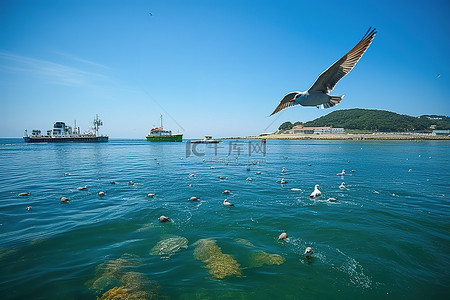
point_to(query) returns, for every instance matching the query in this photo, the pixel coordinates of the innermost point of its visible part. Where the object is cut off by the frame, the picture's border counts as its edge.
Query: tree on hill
(286, 126)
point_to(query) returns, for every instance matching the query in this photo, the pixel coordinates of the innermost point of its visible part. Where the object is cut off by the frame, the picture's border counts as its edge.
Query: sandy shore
(347, 137)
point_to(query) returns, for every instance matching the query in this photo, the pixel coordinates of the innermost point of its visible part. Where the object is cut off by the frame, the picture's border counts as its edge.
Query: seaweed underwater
(220, 265)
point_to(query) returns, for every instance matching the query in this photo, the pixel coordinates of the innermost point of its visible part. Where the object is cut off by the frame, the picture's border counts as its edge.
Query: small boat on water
(62, 133)
(158, 134)
(207, 140)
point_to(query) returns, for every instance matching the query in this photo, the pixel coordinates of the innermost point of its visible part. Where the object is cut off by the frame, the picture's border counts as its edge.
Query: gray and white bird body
(318, 94)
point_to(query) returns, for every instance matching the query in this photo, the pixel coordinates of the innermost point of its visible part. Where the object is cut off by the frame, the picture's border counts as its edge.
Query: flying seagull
(317, 95)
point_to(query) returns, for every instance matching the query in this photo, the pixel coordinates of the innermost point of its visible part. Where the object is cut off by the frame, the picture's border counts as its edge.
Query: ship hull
(165, 138)
(78, 139)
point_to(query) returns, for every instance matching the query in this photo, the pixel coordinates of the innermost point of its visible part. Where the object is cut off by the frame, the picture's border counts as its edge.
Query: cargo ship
(158, 134)
(62, 133)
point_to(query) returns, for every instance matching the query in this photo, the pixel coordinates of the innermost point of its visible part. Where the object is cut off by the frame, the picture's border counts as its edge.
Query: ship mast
(97, 124)
(161, 121)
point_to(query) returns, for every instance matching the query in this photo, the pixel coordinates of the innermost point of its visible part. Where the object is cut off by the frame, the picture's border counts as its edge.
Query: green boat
(158, 134)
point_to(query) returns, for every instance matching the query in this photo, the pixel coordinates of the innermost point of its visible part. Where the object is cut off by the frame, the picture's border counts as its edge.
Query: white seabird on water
(318, 94)
(342, 173)
(342, 186)
(64, 200)
(308, 251)
(226, 203)
(164, 219)
(316, 192)
(283, 236)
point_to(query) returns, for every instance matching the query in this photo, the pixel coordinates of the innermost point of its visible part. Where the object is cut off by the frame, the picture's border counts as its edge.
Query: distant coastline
(346, 136)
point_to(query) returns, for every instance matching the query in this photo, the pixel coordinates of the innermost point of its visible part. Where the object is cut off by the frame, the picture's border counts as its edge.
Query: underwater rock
(220, 265)
(134, 286)
(115, 293)
(108, 274)
(104, 283)
(260, 258)
(244, 242)
(168, 247)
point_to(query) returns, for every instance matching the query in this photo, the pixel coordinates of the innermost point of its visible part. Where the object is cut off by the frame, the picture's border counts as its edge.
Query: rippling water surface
(386, 236)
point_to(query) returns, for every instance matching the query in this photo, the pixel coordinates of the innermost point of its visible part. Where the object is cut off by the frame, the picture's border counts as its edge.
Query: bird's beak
(292, 100)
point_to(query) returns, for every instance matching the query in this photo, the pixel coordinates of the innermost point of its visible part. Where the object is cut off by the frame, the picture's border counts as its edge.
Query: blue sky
(212, 67)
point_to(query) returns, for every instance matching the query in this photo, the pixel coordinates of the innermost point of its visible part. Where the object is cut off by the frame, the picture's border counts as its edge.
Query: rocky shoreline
(348, 136)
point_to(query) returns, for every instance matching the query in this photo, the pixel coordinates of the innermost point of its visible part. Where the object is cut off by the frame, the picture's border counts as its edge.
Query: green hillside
(376, 120)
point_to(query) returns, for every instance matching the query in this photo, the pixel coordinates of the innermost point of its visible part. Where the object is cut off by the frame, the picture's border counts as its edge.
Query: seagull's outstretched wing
(286, 102)
(328, 79)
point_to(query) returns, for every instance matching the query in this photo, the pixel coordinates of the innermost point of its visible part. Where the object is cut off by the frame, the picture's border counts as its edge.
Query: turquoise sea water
(387, 236)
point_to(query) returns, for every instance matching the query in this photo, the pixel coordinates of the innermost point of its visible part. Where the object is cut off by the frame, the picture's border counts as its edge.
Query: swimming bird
(82, 188)
(342, 186)
(226, 192)
(164, 219)
(191, 175)
(316, 192)
(131, 182)
(150, 195)
(332, 200)
(64, 200)
(282, 181)
(249, 179)
(113, 182)
(342, 173)
(193, 198)
(283, 169)
(226, 203)
(222, 177)
(24, 194)
(283, 236)
(212, 168)
(101, 193)
(258, 173)
(28, 207)
(308, 251)
(318, 94)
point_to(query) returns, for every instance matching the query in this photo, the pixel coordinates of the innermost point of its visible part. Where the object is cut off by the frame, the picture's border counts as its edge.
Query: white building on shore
(440, 132)
(299, 129)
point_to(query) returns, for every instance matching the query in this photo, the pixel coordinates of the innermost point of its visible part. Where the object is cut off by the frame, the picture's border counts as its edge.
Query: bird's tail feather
(334, 100)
